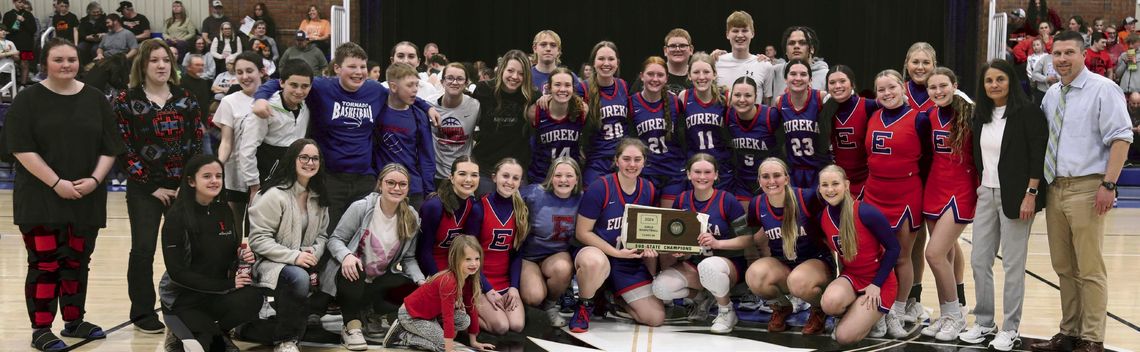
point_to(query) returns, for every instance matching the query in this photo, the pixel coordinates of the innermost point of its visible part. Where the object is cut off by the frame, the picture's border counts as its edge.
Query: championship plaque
(662, 229)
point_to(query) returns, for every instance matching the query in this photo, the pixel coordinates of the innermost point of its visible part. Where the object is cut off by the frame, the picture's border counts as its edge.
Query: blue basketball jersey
(660, 135)
(605, 202)
(722, 209)
(801, 130)
(552, 139)
(762, 214)
(705, 133)
(614, 109)
(753, 141)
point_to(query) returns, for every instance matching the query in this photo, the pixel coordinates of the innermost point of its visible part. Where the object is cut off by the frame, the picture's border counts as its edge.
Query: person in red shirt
(1097, 58)
(1024, 48)
(431, 315)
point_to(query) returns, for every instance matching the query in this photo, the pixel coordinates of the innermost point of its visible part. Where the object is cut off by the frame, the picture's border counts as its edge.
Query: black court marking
(1058, 288)
(107, 333)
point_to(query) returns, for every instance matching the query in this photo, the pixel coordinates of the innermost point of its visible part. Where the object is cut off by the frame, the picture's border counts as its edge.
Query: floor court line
(105, 332)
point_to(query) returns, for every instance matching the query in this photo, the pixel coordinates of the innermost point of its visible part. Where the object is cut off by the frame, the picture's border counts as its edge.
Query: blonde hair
(848, 235)
(455, 258)
(527, 88)
(142, 60)
(557, 41)
(789, 225)
(407, 224)
(666, 110)
(701, 56)
(547, 184)
(892, 74)
(678, 33)
(738, 19)
(522, 216)
(918, 47)
(399, 71)
(963, 112)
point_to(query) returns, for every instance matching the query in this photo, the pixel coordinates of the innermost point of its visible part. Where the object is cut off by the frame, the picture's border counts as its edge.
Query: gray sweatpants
(427, 334)
(991, 230)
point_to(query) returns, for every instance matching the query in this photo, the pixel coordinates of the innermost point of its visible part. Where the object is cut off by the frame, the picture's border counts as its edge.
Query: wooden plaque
(662, 229)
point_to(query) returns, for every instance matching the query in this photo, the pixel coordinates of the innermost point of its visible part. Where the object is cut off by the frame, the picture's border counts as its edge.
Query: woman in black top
(503, 130)
(161, 124)
(63, 134)
(202, 286)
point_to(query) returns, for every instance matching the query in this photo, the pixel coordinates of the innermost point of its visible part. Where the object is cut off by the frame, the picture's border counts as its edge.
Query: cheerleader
(727, 236)
(919, 65)
(703, 107)
(800, 125)
(607, 97)
(950, 195)
(600, 216)
(653, 119)
(447, 214)
(862, 238)
(502, 223)
(445, 303)
(894, 150)
(794, 261)
(546, 266)
(750, 125)
(557, 127)
(848, 113)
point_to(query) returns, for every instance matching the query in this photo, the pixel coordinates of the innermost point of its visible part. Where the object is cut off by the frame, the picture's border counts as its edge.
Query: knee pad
(670, 284)
(714, 276)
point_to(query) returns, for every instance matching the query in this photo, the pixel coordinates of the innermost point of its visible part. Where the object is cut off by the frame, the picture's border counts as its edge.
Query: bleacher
(1129, 188)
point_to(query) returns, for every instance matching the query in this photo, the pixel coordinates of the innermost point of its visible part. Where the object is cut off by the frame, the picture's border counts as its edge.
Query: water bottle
(243, 267)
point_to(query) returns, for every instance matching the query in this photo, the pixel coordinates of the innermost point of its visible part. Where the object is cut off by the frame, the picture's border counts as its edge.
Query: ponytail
(789, 226)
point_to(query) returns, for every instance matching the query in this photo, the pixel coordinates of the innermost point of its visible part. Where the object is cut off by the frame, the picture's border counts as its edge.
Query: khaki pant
(1076, 239)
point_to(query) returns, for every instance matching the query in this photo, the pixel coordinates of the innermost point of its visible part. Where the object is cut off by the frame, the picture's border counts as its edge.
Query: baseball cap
(123, 5)
(217, 3)
(1129, 20)
(1019, 13)
(302, 36)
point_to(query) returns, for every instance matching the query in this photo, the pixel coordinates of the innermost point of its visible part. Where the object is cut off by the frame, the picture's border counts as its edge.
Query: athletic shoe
(390, 337)
(150, 325)
(935, 326)
(352, 338)
(375, 325)
(915, 313)
(816, 322)
(879, 330)
(287, 346)
(976, 333)
(171, 343)
(699, 309)
(724, 322)
(555, 315)
(580, 322)
(895, 327)
(951, 327)
(798, 305)
(567, 300)
(1005, 340)
(779, 320)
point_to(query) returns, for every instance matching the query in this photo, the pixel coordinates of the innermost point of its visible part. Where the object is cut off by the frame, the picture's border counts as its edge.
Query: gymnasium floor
(107, 304)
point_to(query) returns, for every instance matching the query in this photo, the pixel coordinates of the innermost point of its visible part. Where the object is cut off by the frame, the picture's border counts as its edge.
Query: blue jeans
(292, 298)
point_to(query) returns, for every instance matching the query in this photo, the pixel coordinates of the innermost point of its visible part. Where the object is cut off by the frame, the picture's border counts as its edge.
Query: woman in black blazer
(1009, 137)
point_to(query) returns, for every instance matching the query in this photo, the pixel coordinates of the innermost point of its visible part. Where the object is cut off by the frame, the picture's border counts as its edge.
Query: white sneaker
(392, 335)
(976, 334)
(879, 330)
(895, 327)
(915, 313)
(555, 315)
(699, 310)
(724, 322)
(798, 305)
(934, 326)
(1005, 340)
(352, 338)
(951, 327)
(287, 346)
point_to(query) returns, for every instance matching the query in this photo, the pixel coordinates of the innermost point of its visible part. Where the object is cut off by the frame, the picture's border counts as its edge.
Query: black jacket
(1022, 156)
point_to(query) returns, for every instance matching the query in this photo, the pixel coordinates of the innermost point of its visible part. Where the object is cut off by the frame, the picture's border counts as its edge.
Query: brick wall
(1114, 11)
(289, 13)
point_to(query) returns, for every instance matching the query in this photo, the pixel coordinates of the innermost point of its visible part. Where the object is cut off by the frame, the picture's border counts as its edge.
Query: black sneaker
(149, 325)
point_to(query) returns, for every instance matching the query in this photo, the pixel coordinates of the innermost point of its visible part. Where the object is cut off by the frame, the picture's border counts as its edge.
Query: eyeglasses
(454, 79)
(678, 46)
(305, 159)
(396, 185)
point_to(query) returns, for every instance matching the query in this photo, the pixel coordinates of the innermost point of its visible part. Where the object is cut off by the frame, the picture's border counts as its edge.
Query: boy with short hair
(264, 141)
(739, 62)
(404, 136)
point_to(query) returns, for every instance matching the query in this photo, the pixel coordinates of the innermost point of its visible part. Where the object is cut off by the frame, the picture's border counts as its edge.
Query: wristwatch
(1031, 190)
(1111, 186)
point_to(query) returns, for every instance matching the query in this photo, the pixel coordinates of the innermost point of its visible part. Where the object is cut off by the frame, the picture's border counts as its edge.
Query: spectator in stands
(1042, 75)
(1022, 51)
(430, 49)
(262, 48)
(212, 24)
(261, 13)
(195, 80)
(1126, 28)
(226, 44)
(374, 71)
(1077, 24)
(1096, 57)
(224, 80)
(260, 32)
(23, 32)
(1016, 30)
(1134, 115)
(8, 53)
(1098, 25)
(317, 28)
(1126, 66)
(66, 24)
(1038, 11)
(180, 30)
(117, 41)
(201, 48)
(92, 28)
(305, 51)
(1114, 48)
(135, 22)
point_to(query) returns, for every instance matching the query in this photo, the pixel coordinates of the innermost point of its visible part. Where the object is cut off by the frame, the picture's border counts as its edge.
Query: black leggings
(385, 294)
(209, 316)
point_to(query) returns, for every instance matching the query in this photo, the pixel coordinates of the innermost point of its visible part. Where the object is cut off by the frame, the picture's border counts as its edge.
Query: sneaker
(895, 327)
(287, 346)
(951, 327)
(149, 325)
(976, 333)
(798, 305)
(879, 330)
(816, 322)
(934, 327)
(567, 301)
(555, 315)
(699, 309)
(724, 322)
(375, 325)
(352, 338)
(779, 320)
(915, 313)
(390, 337)
(580, 322)
(1005, 340)
(171, 343)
